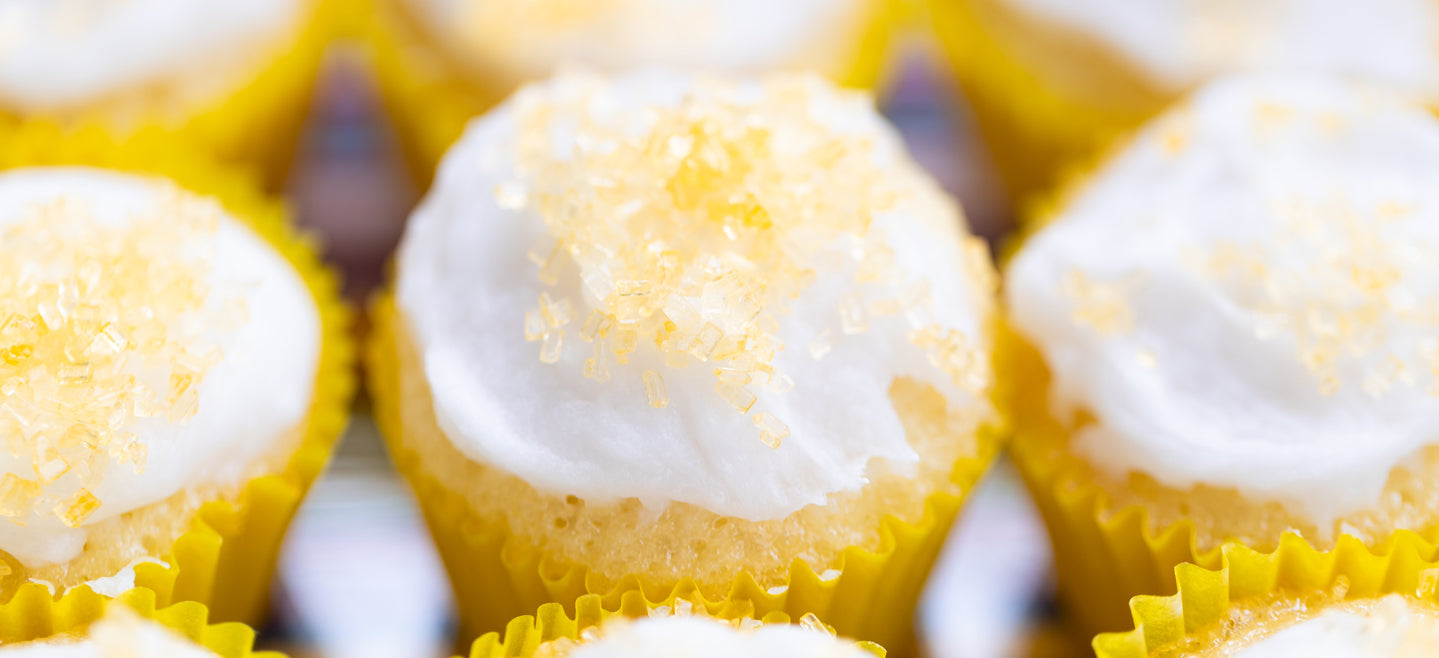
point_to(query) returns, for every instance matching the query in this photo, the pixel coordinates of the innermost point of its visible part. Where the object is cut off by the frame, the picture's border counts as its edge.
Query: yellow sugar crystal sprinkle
(1339, 280)
(1102, 306)
(101, 324)
(74, 510)
(693, 227)
(772, 431)
(655, 389)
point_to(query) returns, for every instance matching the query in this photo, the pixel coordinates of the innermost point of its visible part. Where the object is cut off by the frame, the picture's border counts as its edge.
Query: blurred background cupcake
(231, 76)
(680, 625)
(441, 62)
(1228, 332)
(34, 626)
(660, 328)
(1291, 603)
(1052, 83)
(175, 370)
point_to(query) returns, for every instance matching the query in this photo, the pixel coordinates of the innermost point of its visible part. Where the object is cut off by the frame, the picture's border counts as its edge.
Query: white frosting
(1392, 630)
(121, 581)
(698, 637)
(464, 284)
(1182, 43)
(257, 394)
(123, 635)
(1205, 384)
(59, 54)
(737, 36)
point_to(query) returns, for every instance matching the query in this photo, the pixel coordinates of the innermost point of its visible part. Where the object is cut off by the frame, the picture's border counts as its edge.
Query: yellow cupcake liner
(1203, 595)
(1033, 130)
(431, 97)
(524, 635)
(227, 557)
(33, 615)
(256, 125)
(497, 576)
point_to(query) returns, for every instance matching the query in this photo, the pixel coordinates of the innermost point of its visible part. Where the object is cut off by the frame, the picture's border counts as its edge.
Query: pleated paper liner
(497, 576)
(257, 124)
(1033, 129)
(430, 96)
(226, 558)
(1204, 595)
(33, 615)
(524, 635)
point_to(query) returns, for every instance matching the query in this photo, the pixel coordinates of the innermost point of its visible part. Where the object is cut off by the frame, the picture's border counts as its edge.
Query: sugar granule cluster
(696, 226)
(102, 325)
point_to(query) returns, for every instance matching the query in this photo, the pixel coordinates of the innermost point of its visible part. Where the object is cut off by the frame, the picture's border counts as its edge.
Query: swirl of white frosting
(464, 283)
(1247, 295)
(257, 394)
(1178, 44)
(525, 40)
(699, 637)
(60, 54)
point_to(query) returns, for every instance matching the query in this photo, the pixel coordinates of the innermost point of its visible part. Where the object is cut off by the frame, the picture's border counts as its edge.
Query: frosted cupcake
(659, 329)
(441, 62)
(174, 372)
(1370, 605)
(1053, 82)
(1228, 333)
(129, 628)
(683, 628)
(233, 76)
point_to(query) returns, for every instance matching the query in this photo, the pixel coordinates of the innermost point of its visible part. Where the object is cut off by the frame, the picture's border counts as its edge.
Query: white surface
(459, 289)
(58, 54)
(1226, 400)
(713, 35)
(1388, 631)
(704, 638)
(258, 392)
(1182, 43)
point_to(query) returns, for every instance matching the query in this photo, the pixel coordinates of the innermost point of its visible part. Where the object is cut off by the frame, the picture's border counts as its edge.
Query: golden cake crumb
(100, 326)
(695, 226)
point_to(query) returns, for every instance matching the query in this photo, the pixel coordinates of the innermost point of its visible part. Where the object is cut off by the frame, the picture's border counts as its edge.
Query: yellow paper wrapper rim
(1406, 566)
(432, 97)
(33, 615)
(228, 553)
(901, 561)
(524, 635)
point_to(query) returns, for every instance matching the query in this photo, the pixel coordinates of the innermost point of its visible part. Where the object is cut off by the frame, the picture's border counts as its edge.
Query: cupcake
(174, 370)
(1227, 333)
(441, 62)
(655, 330)
(1355, 603)
(1053, 82)
(233, 76)
(131, 627)
(681, 627)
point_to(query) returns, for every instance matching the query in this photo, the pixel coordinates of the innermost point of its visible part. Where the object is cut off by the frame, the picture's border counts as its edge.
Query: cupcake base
(226, 555)
(867, 594)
